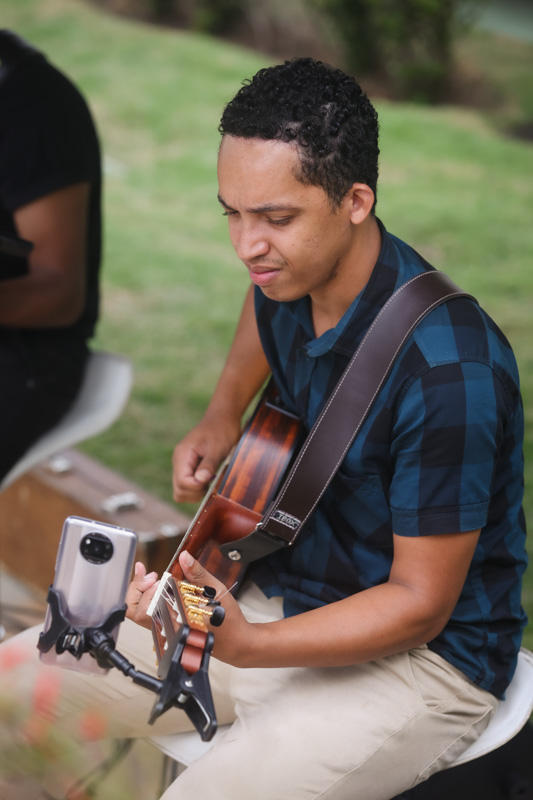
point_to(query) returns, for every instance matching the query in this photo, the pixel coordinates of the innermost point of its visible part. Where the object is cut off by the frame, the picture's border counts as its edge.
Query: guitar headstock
(199, 605)
(181, 616)
(178, 603)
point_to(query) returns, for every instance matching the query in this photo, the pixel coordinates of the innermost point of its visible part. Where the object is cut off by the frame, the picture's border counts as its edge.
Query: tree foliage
(406, 43)
(211, 16)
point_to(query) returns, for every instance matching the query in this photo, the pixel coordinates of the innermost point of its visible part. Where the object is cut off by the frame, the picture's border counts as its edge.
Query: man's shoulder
(461, 332)
(48, 128)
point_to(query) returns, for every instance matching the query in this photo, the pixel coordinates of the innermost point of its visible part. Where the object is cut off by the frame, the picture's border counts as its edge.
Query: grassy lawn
(451, 184)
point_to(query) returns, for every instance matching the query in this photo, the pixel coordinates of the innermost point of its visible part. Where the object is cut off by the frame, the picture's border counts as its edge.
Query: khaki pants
(366, 732)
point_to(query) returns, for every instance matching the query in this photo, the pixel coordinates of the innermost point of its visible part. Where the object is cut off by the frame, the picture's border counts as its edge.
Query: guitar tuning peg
(217, 616)
(210, 592)
(190, 587)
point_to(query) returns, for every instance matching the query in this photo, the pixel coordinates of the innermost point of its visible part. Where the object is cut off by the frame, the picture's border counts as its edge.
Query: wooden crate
(33, 509)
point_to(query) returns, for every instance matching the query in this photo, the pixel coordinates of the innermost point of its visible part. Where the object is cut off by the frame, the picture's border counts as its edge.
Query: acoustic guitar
(234, 505)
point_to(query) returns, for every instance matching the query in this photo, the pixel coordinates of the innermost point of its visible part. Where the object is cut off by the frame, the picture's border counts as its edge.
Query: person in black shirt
(50, 195)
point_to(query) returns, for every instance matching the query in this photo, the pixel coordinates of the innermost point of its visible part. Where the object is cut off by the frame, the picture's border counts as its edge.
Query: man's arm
(198, 455)
(410, 609)
(53, 293)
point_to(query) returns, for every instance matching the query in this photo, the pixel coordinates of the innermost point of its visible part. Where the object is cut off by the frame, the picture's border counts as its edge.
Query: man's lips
(262, 276)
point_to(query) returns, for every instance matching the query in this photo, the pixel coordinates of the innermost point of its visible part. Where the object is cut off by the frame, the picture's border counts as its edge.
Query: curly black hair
(320, 108)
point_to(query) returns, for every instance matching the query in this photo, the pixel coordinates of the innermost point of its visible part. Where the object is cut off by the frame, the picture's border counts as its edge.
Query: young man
(372, 652)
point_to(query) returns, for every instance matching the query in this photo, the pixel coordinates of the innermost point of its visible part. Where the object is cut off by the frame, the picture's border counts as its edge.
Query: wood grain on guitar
(242, 491)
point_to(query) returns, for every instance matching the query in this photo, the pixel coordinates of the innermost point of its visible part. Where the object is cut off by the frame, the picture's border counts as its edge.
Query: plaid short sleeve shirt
(440, 452)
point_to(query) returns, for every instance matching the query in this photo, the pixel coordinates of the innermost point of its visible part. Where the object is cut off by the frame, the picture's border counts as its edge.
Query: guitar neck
(196, 520)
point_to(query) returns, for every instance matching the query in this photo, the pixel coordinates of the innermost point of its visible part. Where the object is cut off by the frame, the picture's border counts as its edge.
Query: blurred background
(452, 82)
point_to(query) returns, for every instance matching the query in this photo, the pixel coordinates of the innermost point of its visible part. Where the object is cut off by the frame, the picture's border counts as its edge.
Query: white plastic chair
(103, 395)
(510, 716)
(507, 721)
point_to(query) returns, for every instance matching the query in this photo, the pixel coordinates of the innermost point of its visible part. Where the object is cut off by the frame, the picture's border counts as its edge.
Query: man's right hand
(198, 456)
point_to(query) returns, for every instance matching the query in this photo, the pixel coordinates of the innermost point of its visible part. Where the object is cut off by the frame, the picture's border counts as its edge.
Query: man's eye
(282, 221)
(228, 213)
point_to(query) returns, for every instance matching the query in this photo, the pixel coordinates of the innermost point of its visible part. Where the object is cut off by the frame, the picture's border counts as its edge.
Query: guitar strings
(218, 596)
(170, 597)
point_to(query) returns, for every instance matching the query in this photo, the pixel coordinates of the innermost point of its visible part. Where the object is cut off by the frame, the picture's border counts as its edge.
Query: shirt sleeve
(47, 139)
(446, 441)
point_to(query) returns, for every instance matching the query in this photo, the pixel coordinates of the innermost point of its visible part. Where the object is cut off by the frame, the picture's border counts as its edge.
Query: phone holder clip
(178, 689)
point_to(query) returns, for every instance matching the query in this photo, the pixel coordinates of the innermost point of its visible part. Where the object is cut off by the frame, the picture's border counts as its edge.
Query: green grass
(451, 184)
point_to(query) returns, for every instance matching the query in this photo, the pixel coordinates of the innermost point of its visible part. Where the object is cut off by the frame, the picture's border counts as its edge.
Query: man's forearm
(42, 299)
(410, 609)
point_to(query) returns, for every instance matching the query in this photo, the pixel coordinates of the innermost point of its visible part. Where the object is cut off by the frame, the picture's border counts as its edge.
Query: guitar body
(242, 492)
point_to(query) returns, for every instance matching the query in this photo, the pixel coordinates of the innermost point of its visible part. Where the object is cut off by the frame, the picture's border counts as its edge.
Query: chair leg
(170, 770)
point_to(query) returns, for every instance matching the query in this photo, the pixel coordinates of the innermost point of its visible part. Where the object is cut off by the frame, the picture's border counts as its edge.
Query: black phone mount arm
(178, 689)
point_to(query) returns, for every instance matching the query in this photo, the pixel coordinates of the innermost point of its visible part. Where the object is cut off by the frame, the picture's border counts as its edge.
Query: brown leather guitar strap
(343, 414)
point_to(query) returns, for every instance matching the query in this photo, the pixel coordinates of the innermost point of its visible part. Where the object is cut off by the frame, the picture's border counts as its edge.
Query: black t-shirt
(48, 141)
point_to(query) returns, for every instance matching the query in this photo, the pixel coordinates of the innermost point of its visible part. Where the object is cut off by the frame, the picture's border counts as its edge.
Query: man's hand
(234, 637)
(139, 595)
(198, 456)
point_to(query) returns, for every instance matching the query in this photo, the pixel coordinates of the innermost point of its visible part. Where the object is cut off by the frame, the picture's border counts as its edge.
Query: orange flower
(44, 701)
(46, 693)
(93, 726)
(13, 655)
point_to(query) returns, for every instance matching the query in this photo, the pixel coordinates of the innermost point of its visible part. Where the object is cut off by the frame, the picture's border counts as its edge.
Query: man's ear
(361, 201)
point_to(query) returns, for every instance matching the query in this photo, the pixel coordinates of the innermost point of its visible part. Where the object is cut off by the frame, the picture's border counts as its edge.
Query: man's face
(286, 233)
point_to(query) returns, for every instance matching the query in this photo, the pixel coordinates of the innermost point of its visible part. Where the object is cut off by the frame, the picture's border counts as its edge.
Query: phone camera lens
(96, 548)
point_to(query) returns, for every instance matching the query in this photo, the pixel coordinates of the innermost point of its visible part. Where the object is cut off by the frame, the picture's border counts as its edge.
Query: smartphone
(93, 569)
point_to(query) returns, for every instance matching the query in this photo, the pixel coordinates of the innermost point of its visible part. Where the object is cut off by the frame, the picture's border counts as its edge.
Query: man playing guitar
(384, 644)
(373, 651)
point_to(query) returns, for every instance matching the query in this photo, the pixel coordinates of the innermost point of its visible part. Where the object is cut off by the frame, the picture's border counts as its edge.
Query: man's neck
(328, 309)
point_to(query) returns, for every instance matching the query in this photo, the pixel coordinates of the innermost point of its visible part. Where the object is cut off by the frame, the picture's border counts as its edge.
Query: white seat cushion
(186, 747)
(510, 716)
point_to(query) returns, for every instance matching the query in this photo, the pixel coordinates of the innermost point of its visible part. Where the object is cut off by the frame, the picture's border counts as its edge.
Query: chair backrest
(103, 395)
(510, 716)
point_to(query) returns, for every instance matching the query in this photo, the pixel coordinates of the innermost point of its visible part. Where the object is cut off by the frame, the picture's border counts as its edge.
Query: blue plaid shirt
(440, 452)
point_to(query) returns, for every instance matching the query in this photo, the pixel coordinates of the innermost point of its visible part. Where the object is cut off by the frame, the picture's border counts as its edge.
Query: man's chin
(279, 294)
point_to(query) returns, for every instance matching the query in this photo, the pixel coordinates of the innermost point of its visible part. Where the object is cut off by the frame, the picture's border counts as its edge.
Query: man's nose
(250, 243)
